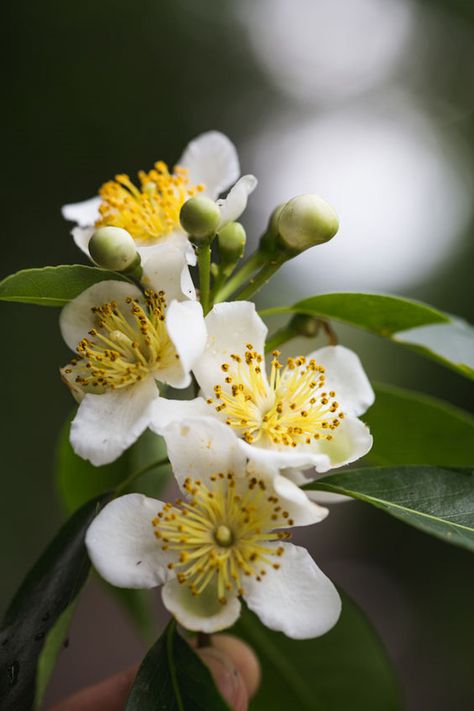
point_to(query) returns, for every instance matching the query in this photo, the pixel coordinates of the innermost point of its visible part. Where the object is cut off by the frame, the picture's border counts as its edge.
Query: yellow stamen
(222, 534)
(148, 212)
(292, 408)
(123, 348)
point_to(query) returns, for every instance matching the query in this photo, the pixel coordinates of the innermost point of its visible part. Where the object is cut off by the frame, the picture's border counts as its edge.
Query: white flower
(126, 340)
(304, 414)
(150, 212)
(219, 542)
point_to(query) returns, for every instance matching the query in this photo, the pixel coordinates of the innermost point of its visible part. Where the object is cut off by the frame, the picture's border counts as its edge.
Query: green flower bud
(232, 240)
(306, 221)
(304, 325)
(268, 241)
(200, 217)
(113, 248)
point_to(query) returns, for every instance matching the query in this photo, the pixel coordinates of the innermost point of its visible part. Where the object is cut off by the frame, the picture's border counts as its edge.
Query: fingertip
(243, 657)
(227, 677)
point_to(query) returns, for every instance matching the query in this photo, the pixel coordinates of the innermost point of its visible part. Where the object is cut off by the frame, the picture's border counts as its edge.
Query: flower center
(125, 346)
(290, 409)
(150, 211)
(222, 533)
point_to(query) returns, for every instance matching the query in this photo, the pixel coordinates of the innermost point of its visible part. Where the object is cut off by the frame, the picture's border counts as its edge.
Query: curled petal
(232, 206)
(200, 613)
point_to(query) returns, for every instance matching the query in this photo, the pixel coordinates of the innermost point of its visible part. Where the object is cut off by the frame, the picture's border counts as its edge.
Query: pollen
(224, 538)
(128, 342)
(290, 409)
(150, 211)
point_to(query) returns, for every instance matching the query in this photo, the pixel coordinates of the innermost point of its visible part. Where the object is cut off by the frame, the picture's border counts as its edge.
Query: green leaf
(173, 677)
(78, 480)
(410, 323)
(53, 645)
(345, 669)
(410, 428)
(437, 500)
(52, 286)
(47, 591)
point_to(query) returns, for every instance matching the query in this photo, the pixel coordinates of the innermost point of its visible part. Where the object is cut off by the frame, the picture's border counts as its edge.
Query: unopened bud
(232, 240)
(304, 325)
(306, 221)
(113, 248)
(200, 217)
(268, 241)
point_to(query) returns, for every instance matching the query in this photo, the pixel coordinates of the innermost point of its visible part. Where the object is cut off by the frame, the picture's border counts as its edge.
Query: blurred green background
(368, 103)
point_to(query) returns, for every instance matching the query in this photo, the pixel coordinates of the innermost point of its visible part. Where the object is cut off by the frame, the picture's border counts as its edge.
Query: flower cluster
(252, 432)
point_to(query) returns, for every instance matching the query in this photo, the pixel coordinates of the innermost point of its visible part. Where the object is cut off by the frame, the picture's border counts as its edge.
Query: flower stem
(240, 277)
(203, 640)
(204, 264)
(282, 335)
(263, 276)
(136, 475)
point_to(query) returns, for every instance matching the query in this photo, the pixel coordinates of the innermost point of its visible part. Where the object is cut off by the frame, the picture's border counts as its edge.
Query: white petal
(84, 213)
(81, 237)
(303, 512)
(320, 497)
(106, 425)
(232, 206)
(177, 239)
(327, 497)
(187, 331)
(298, 599)
(352, 440)
(284, 457)
(200, 613)
(166, 269)
(211, 159)
(199, 448)
(346, 376)
(77, 319)
(167, 411)
(122, 546)
(230, 326)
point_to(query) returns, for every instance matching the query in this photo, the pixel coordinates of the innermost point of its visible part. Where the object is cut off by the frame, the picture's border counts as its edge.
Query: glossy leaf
(437, 500)
(78, 481)
(54, 643)
(410, 323)
(48, 589)
(411, 428)
(347, 668)
(52, 286)
(173, 677)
